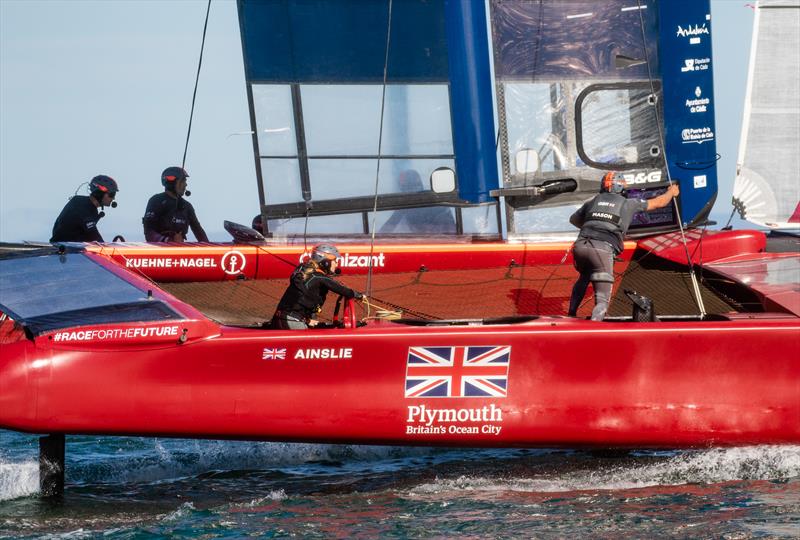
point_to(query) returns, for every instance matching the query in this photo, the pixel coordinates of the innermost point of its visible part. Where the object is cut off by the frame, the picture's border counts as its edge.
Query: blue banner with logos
(690, 134)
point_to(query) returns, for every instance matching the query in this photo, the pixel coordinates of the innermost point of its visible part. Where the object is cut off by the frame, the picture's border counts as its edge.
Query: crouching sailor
(603, 221)
(308, 286)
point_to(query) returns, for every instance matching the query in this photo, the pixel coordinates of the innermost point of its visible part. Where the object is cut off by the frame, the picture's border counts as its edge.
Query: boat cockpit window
(573, 99)
(59, 291)
(617, 126)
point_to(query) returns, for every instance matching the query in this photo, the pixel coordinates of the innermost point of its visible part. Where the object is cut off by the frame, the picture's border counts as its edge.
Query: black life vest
(603, 219)
(606, 207)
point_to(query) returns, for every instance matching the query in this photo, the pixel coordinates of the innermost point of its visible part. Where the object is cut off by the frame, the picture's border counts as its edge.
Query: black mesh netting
(483, 293)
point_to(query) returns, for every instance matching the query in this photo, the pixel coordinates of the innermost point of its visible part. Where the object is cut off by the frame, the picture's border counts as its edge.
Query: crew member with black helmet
(77, 221)
(169, 215)
(308, 286)
(603, 221)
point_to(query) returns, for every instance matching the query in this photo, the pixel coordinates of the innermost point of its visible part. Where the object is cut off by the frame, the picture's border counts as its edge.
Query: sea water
(149, 488)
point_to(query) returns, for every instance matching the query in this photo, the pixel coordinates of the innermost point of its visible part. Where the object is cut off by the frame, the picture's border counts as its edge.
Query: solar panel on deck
(58, 291)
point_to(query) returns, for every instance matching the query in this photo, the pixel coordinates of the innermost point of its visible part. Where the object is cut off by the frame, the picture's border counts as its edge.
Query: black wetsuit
(305, 296)
(603, 220)
(165, 216)
(77, 222)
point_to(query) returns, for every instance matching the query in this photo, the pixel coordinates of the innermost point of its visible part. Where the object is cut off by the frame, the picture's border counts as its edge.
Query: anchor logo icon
(233, 263)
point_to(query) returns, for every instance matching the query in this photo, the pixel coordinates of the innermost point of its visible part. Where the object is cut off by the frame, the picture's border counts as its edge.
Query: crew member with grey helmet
(77, 221)
(308, 286)
(169, 215)
(603, 221)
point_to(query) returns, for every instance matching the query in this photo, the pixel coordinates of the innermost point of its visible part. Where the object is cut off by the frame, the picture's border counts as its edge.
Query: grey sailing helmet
(324, 255)
(324, 252)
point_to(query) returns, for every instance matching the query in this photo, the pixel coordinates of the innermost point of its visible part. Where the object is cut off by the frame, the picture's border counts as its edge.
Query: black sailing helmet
(102, 184)
(171, 175)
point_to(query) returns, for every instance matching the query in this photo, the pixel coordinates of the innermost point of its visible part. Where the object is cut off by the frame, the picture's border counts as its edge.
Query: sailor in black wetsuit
(168, 215)
(603, 221)
(77, 222)
(308, 286)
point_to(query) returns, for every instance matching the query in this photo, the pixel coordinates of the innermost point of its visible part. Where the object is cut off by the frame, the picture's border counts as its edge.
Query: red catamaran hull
(569, 383)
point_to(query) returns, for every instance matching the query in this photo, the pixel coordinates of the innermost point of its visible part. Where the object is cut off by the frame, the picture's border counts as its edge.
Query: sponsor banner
(311, 353)
(698, 105)
(355, 261)
(233, 263)
(423, 420)
(700, 181)
(697, 135)
(695, 64)
(694, 33)
(171, 262)
(108, 334)
(652, 177)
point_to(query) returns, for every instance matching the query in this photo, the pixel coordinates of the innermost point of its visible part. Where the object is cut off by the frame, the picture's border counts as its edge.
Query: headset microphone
(187, 193)
(113, 204)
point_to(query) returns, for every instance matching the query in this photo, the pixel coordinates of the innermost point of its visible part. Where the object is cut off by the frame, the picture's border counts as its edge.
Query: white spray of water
(18, 479)
(706, 467)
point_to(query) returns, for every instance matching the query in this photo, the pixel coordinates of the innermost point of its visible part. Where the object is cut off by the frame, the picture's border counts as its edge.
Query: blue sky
(104, 87)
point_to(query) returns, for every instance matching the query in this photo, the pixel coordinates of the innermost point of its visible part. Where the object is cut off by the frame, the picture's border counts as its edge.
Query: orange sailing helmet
(613, 182)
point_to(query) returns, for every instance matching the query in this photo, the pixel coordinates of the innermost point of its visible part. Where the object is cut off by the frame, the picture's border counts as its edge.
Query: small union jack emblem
(457, 371)
(274, 354)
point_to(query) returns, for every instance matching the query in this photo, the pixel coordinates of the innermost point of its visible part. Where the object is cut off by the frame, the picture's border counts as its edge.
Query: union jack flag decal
(273, 354)
(443, 372)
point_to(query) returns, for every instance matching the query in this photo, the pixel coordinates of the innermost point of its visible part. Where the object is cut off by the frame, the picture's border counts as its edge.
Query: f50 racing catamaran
(507, 113)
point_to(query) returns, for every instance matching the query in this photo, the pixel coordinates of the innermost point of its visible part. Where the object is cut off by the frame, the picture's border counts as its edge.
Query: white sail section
(767, 187)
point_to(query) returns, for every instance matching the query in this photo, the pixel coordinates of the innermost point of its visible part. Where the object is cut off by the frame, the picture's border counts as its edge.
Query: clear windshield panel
(282, 178)
(544, 220)
(319, 225)
(548, 58)
(273, 109)
(417, 120)
(344, 120)
(480, 219)
(619, 126)
(424, 220)
(340, 178)
(336, 155)
(341, 119)
(536, 119)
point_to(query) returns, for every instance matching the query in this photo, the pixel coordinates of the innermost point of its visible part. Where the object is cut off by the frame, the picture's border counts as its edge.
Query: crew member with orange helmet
(308, 286)
(77, 221)
(169, 215)
(603, 221)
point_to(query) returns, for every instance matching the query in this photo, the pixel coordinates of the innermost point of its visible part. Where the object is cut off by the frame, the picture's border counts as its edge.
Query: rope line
(380, 145)
(196, 81)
